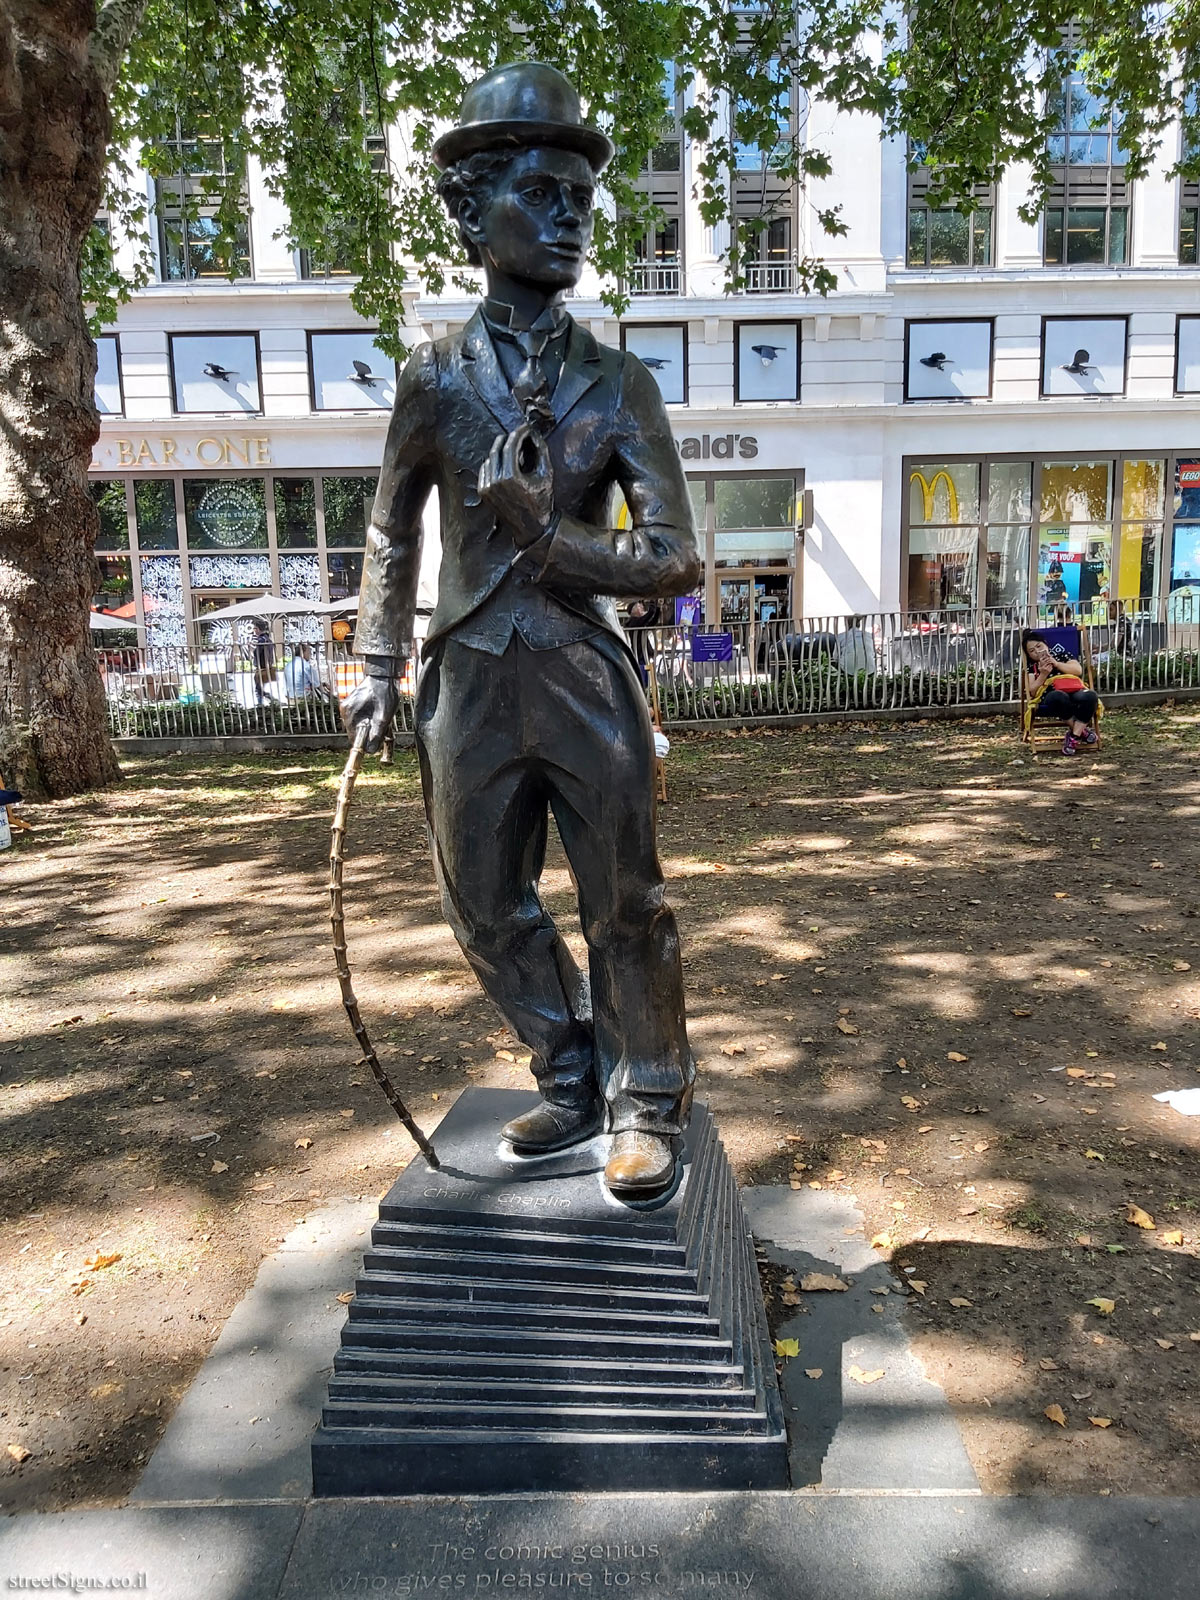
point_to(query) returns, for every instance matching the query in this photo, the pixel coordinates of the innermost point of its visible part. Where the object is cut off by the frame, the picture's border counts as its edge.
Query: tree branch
(116, 25)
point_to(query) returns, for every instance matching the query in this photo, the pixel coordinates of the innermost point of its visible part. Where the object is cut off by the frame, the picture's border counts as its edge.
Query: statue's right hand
(372, 703)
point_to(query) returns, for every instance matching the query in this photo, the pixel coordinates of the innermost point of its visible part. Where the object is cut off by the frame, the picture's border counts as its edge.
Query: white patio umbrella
(332, 607)
(266, 606)
(103, 622)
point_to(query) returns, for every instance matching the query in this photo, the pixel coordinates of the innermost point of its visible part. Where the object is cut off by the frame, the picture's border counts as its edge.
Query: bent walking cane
(336, 843)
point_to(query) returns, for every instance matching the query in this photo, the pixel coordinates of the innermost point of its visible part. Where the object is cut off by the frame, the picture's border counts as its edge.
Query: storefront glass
(154, 505)
(345, 575)
(1098, 532)
(1185, 552)
(225, 513)
(109, 495)
(943, 539)
(296, 513)
(348, 503)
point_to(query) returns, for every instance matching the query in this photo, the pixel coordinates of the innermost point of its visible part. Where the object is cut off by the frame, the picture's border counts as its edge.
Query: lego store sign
(215, 450)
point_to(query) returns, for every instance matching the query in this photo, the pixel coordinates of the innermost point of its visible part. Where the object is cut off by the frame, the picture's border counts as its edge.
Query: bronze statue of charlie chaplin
(529, 700)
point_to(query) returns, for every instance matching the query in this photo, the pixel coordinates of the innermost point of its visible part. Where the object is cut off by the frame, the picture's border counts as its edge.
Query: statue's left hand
(517, 481)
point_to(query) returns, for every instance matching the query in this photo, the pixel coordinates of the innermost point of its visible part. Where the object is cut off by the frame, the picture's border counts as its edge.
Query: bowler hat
(524, 103)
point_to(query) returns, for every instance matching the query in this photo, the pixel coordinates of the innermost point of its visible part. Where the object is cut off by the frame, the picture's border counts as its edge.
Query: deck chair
(1046, 733)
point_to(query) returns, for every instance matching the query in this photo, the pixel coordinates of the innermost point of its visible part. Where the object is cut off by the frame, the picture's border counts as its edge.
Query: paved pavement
(892, 1508)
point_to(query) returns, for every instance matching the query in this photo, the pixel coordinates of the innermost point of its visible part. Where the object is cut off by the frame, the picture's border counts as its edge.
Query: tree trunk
(54, 127)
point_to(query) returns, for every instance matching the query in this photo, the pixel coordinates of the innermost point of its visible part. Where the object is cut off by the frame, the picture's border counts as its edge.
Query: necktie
(531, 389)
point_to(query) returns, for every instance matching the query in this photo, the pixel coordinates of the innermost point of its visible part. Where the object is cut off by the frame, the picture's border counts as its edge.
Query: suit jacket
(610, 429)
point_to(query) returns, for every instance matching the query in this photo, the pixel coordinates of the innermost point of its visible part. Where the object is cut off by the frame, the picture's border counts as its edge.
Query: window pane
(1188, 218)
(345, 575)
(114, 590)
(751, 549)
(1076, 491)
(348, 503)
(1089, 150)
(1185, 558)
(1186, 499)
(698, 492)
(154, 513)
(949, 239)
(225, 513)
(1137, 572)
(1085, 236)
(1142, 489)
(664, 157)
(1073, 565)
(916, 236)
(1118, 236)
(295, 513)
(1009, 497)
(981, 235)
(1054, 237)
(941, 569)
(1007, 579)
(109, 495)
(943, 493)
(755, 502)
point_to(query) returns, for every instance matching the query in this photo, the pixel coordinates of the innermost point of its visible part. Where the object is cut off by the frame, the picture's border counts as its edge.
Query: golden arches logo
(929, 494)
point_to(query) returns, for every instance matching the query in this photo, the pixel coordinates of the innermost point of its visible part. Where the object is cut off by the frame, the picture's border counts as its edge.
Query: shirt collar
(498, 315)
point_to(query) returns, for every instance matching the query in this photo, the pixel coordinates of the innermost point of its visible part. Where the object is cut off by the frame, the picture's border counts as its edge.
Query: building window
(1087, 212)
(940, 237)
(1189, 196)
(335, 258)
(203, 225)
(657, 264)
(663, 348)
(764, 202)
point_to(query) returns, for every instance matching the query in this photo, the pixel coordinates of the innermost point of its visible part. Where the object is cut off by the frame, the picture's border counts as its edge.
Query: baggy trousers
(503, 741)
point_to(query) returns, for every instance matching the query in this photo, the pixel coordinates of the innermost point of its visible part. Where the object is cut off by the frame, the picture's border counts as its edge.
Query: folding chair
(1040, 733)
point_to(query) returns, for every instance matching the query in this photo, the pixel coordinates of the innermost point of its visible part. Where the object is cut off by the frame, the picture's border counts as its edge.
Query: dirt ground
(921, 969)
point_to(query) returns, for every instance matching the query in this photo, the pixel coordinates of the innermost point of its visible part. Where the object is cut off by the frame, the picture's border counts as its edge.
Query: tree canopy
(304, 84)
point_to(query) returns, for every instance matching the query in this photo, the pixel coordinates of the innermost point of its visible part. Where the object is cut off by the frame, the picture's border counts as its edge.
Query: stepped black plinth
(515, 1329)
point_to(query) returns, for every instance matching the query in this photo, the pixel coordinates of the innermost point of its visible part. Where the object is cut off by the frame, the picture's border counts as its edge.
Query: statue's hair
(473, 178)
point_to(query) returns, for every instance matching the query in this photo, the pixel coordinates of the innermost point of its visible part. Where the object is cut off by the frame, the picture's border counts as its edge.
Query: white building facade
(983, 414)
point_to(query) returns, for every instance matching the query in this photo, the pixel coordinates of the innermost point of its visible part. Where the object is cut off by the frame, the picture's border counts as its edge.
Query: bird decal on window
(214, 369)
(937, 360)
(1079, 364)
(768, 352)
(656, 363)
(362, 374)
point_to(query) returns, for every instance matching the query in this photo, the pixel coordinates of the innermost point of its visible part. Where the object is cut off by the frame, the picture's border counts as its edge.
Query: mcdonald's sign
(929, 495)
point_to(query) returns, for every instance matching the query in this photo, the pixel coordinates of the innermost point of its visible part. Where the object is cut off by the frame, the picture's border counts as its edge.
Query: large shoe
(548, 1127)
(641, 1164)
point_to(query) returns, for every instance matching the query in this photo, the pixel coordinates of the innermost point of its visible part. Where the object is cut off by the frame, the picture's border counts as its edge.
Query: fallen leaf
(1056, 1414)
(345, 1297)
(96, 1262)
(860, 1376)
(955, 1055)
(1159, 1046)
(219, 1166)
(834, 1175)
(1021, 1012)
(926, 1127)
(910, 1101)
(303, 1144)
(1103, 1306)
(1078, 1072)
(813, 1282)
(1047, 1365)
(1092, 1155)
(919, 1284)
(1100, 1422)
(814, 1372)
(1172, 1236)
(1137, 1217)
(961, 1303)
(733, 1049)
(845, 1026)
(349, 1113)
(787, 1347)
(980, 1146)
(1181, 966)
(881, 1241)
(18, 1452)
(1165, 1344)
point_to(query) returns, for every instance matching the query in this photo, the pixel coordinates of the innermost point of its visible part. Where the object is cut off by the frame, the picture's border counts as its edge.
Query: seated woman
(1055, 688)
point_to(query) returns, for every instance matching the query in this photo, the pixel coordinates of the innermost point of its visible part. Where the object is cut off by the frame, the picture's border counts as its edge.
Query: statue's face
(537, 224)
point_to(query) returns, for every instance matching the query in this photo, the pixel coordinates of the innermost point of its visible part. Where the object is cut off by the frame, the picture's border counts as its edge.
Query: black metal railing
(871, 664)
